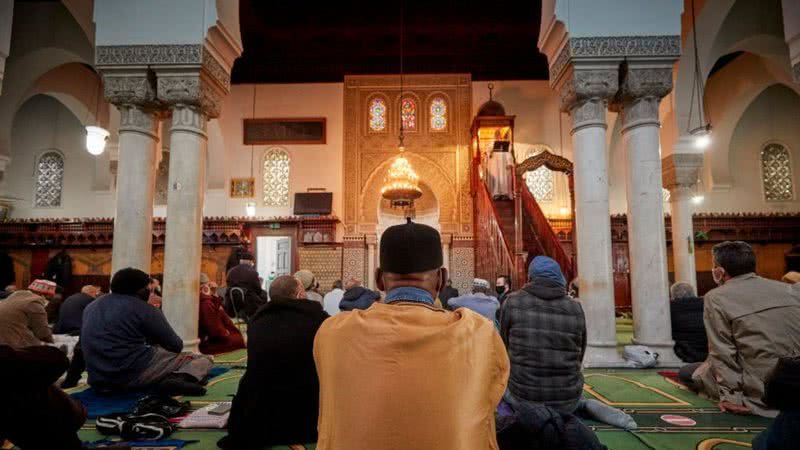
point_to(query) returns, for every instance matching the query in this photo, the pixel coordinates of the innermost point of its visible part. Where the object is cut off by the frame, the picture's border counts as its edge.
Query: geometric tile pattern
(325, 262)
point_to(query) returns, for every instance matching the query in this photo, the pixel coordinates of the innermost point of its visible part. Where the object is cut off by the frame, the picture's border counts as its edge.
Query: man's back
(751, 322)
(331, 301)
(480, 303)
(70, 318)
(23, 320)
(688, 329)
(380, 372)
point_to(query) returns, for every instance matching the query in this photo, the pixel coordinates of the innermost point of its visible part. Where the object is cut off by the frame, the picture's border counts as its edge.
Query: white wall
(44, 124)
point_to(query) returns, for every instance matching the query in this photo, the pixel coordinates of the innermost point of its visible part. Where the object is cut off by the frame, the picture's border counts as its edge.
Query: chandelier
(401, 186)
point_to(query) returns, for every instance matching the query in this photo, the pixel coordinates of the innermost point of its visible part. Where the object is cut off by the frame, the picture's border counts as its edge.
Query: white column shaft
(371, 265)
(446, 256)
(683, 236)
(184, 240)
(646, 235)
(136, 172)
(593, 232)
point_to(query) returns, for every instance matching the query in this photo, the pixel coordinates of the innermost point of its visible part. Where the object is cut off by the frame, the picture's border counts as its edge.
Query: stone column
(134, 96)
(585, 96)
(372, 240)
(679, 174)
(639, 97)
(446, 239)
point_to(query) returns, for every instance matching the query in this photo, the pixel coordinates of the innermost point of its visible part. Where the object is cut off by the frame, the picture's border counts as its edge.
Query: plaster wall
(141, 22)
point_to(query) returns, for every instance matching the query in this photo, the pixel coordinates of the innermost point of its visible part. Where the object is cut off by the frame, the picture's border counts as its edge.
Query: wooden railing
(492, 253)
(544, 234)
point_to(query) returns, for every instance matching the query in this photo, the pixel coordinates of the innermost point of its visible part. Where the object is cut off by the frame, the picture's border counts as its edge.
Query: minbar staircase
(497, 252)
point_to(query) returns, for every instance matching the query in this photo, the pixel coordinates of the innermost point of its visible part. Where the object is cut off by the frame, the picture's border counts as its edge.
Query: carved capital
(681, 170)
(585, 96)
(639, 94)
(129, 88)
(188, 118)
(190, 89)
(137, 119)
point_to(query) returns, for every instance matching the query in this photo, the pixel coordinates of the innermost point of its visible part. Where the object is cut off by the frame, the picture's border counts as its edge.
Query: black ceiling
(300, 41)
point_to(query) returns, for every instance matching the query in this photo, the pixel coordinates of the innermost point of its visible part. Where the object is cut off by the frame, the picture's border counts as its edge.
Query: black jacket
(537, 427)
(278, 398)
(688, 329)
(545, 333)
(244, 276)
(358, 298)
(59, 269)
(447, 293)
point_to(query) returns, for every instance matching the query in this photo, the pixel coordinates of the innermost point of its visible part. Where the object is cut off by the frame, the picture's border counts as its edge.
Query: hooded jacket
(688, 330)
(358, 298)
(545, 333)
(23, 320)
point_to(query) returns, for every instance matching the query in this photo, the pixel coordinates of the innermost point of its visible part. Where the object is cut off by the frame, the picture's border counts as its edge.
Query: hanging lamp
(401, 185)
(702, 133)
(96, 136)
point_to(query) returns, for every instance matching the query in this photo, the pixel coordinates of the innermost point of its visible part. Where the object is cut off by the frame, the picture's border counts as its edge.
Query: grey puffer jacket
(545, 334)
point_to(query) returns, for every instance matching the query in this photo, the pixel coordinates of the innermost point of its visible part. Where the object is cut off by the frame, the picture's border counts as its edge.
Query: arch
(544, 158)
(377, 121)
(728, 94)
(48, 179)
(417, 112)
(79, 88)
(429, 172)
(276, 168)
(438, 121)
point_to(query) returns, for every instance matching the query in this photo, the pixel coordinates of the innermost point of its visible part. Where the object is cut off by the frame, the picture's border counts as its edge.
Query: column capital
(585, 94)
(177, 89)
(371, 239)
(640, 92)
(131, 86)
(136, 118)
(681, 170)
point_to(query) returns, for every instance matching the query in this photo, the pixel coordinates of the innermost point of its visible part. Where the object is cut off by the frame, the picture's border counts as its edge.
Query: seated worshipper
(70, 318)
(379, 368)
(278, 398)
(243, 279)
(479, 301)
(129, 345)
(310, 284)
(357, 296)
(217, 332)
(448, 292)
(782, 392)
(549, 372)
(155, 292)
(751, 322)
(688, 331)
(23, 319)
(502, 287)
(332, 299)
(35, 414)
(53, 307)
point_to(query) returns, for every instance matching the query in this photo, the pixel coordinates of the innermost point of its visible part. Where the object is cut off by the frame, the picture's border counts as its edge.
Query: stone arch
(78, 87)
(429, 173)
(426, 211)
(729, 93)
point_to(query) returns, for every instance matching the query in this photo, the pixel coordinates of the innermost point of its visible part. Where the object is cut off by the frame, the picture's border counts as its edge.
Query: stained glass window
(540, 183)
(408, 114)
(49, 180)
(438, 114)
(377, 114)
(776, 171)
(276, 177)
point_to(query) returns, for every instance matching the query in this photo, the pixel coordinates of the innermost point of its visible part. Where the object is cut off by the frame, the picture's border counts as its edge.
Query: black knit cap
(410, 248)
(129, 281)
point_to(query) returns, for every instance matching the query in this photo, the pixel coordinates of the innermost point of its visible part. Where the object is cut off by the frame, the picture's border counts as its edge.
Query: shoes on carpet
(180, 385)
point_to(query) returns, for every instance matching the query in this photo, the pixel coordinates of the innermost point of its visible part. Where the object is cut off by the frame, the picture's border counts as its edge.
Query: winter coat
(7, 275)
(481, 303)
(545, 333)
(278, 398)
(688, 331)
(59, 269)
(217, 332)
(70, 317)
(537, 427)
(244, 276)
(447, 293)
(23, 320)
(358, 298)
(751, 322)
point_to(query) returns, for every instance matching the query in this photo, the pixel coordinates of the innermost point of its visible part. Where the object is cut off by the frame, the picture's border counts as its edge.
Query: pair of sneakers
(133, 427)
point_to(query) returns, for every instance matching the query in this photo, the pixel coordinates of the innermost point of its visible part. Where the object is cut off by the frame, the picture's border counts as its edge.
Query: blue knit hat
(545, 267)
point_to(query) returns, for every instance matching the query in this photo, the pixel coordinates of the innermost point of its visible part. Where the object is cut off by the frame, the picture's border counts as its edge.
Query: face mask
(717, 273)
(500, 289)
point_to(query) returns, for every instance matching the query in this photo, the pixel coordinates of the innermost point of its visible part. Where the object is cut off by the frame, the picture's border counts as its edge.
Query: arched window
(408, 114)
(540, 183)
(377, 114)
(276, 177)
(49, 180)
(438, 112)
(776, 173)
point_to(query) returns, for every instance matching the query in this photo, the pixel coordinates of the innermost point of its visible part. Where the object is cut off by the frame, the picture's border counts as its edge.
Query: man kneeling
(278, 397)
(129, 344)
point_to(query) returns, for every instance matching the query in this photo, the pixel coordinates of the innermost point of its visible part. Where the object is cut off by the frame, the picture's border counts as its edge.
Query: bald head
(286, 286)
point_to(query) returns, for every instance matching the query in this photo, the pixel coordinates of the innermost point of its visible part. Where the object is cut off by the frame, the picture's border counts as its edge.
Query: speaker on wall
(313, 203)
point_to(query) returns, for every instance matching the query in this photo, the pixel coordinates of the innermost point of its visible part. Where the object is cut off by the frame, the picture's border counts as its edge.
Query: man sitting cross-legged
(545, 332)
(278, 398)
(751, 322)
(129, 345)
(380, 369)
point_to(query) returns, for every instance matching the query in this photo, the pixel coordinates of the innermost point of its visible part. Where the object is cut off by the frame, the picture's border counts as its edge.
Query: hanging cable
(400, 109)
(252, 146)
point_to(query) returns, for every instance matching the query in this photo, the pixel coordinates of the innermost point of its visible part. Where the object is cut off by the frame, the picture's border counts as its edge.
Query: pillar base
(191, 345)
(602, 354)
(666, 353)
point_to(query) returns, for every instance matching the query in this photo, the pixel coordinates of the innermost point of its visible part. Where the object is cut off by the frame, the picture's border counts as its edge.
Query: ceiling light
(697, 199)
(96, 138)
(250, 209)
(702, 137)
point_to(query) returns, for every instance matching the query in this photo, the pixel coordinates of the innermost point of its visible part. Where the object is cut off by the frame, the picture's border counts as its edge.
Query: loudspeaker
(313, 203)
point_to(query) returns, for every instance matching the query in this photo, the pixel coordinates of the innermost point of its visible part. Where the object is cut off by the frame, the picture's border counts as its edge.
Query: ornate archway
(553, 162)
